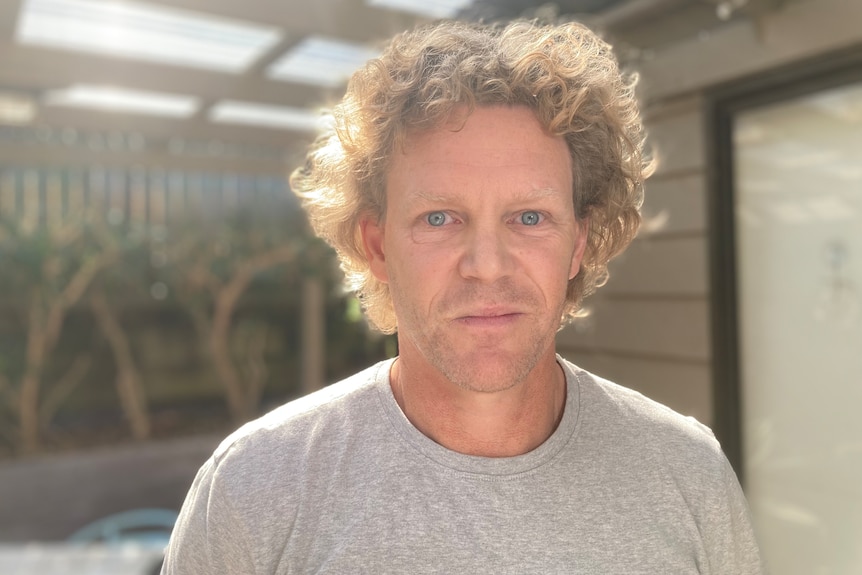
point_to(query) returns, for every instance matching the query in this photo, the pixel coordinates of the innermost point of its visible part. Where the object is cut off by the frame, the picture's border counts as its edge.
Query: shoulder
(311, 424)
(629, 418)
(247, 496)
(669, 460)
(640, 440)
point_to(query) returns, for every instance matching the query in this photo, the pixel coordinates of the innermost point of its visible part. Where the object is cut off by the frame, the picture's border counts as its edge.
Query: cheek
(549, 268)
(417, 265)
(435, 275)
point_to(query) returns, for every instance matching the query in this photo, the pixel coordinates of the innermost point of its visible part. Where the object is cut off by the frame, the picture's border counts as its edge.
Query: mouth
(488, 318)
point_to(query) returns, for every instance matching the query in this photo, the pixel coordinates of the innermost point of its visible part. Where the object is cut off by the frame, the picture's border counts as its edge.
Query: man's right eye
(436, 219)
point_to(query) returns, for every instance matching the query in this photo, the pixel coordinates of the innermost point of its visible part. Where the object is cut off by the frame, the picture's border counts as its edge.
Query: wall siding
(650, 326)
(685, 387)
(675, 206)
(670, 267)
(660, 328)
(677, 141)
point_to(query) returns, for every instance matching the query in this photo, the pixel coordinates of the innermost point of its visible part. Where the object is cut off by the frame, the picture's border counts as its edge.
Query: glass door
(798, 234)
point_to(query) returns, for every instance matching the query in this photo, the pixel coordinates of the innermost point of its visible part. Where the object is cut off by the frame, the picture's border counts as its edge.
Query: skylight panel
(267, 116)
(111, 99)
(320, 61)
(16, 108)
(428, 8)
(145, 32)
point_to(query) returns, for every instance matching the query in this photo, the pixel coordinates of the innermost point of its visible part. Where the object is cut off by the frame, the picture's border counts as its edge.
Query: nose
(486, 254)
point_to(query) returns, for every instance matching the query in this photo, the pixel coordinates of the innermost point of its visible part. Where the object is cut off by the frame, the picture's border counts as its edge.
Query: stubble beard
(472, 365)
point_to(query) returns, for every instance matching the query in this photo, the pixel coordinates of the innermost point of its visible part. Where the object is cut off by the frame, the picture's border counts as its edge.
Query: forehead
(490, 144)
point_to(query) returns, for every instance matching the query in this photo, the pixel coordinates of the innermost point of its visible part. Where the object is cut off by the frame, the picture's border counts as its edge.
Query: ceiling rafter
(31, 71)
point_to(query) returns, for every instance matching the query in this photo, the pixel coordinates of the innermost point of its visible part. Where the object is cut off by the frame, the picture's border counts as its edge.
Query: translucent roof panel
(16, 108)
(145, 32)
(112, 99)
(427, 8)
(268, 116)
(320, 61)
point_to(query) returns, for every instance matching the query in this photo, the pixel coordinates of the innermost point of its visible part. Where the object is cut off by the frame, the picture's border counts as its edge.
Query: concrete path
(48, 498)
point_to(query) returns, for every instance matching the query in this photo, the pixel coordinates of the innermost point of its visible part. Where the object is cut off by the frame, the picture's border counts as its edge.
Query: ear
(583, 232)
(372, 232)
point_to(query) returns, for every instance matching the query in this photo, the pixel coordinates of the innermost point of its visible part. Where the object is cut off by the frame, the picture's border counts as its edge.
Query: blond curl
(565, 73)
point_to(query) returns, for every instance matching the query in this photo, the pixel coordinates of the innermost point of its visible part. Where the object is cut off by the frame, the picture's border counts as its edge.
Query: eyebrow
(533, 194)
(430, 197)
(539, 193)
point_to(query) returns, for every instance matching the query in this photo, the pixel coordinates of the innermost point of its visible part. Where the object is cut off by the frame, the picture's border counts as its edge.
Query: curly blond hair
(565, 73)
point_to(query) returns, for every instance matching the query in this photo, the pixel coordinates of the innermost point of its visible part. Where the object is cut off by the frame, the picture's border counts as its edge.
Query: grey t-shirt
(341, 482)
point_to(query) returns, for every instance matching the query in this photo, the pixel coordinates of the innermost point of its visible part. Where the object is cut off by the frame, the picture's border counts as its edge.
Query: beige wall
(650, 326)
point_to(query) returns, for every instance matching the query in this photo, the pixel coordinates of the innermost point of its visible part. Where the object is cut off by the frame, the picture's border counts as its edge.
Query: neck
(503, 423)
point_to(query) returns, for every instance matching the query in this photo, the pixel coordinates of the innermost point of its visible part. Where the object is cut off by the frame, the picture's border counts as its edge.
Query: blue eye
(530, 218)
(436, 219)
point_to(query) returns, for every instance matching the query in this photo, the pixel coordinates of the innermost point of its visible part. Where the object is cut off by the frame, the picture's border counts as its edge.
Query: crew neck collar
(497, 467)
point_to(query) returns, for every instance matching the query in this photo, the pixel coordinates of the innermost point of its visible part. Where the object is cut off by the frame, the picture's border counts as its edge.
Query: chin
(489, 371)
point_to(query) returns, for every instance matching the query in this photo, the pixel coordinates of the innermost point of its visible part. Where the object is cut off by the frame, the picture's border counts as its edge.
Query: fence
(50, 196)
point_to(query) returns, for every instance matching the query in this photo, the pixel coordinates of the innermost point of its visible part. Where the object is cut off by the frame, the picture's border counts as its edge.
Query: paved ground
(48, 498)
(62, 559)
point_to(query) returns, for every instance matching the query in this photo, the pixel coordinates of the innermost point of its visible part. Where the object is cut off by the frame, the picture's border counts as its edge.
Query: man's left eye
(530, 218)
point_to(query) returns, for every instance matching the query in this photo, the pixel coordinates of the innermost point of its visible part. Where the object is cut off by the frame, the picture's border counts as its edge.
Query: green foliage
(164, 284)
(192, 262)
(44, 258)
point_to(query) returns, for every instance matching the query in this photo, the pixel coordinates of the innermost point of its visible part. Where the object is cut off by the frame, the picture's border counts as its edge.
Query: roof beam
(192, 129)
(633, 11)
(351, 20)
(40, 156)
(35, 70)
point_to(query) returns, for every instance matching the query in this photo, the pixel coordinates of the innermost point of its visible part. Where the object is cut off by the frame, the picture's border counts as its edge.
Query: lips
(488, 317)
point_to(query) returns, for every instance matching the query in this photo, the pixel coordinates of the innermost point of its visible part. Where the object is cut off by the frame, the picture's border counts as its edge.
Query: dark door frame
(721, 106)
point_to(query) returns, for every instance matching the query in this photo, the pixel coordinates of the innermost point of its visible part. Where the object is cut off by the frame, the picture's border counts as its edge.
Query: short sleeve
(729, 539)
(208, 537)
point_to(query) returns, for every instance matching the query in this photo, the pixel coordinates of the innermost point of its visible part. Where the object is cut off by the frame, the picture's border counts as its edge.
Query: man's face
(477, 246)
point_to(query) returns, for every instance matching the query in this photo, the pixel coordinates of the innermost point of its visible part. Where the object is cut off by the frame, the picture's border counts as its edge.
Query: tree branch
(225, 303)
(73, 292)
(247, 271)
(63, 389)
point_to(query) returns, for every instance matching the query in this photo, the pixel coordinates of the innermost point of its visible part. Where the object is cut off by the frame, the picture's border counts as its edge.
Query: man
(475, 184)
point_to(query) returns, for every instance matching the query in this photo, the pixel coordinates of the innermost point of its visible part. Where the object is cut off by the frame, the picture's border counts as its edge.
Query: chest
(446, 523)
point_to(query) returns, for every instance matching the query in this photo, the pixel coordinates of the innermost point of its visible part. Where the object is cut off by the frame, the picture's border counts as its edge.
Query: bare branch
(63, 389)
(248, 270)
(238, 396)
(74, 291)
(129, 388)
